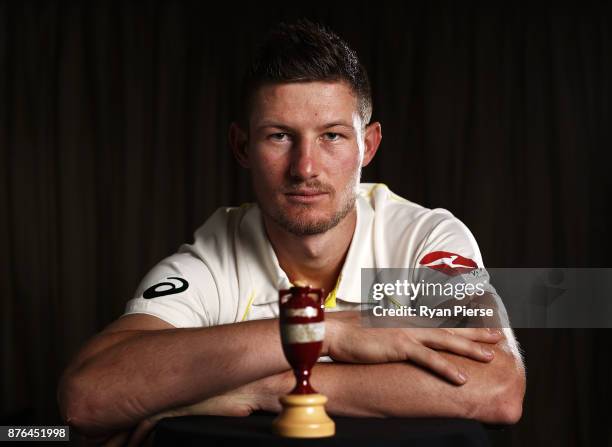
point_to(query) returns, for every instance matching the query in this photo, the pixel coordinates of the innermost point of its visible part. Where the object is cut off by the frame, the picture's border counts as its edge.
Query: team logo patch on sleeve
(449, 263)
(176, 285)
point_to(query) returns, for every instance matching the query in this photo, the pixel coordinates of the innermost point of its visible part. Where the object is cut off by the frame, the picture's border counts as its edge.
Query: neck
(316, 259)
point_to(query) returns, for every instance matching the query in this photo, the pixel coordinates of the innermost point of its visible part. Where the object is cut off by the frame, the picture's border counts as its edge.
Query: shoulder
(410, 231)
(214, 242)
(223, 223)
(396, 210)
(195, 286)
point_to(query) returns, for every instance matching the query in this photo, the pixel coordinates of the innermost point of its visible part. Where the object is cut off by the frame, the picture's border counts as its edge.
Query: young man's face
(305, 151)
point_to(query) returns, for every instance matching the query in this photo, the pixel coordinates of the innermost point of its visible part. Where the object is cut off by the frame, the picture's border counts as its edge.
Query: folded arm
(141, 366)
(492, 394)
(492, 391)
(131, 376)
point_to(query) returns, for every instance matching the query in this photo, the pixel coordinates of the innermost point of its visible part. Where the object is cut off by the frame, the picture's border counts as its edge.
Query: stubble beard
(307, 227)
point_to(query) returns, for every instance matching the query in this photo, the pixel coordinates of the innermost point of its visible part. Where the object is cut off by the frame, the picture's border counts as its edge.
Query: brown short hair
(304, 51)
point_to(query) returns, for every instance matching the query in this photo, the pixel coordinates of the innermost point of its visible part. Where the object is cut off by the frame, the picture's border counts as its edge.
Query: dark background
(113, 123)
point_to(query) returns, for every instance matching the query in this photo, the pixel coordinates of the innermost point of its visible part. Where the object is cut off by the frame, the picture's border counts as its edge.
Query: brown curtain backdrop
(113, 122)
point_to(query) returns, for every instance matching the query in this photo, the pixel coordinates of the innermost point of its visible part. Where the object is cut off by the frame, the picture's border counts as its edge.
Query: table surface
(255, 430)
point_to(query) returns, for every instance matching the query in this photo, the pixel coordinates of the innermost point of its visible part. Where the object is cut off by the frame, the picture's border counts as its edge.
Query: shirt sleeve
(450, 255)
(177, 290)
(450, 243)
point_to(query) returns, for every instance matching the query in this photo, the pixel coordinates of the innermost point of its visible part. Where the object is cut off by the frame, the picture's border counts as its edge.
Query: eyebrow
(288, 128)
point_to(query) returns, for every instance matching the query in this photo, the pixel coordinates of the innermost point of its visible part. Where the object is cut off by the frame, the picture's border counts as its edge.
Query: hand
(347, 340)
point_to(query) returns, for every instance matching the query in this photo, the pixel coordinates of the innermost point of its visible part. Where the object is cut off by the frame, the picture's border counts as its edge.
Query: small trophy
(302, 329)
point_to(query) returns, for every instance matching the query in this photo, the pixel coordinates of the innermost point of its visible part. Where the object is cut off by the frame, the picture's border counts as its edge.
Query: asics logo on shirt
(167, 288)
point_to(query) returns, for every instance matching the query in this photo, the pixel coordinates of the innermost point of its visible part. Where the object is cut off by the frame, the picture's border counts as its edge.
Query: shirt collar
(360, 254)
(268, 277)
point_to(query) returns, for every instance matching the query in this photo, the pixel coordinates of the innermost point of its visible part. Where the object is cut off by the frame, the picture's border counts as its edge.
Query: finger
(433, 361)
(141, 432)
(484, 335)
(442, 340)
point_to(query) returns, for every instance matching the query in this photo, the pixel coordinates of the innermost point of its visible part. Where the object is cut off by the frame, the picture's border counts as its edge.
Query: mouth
(305, 196)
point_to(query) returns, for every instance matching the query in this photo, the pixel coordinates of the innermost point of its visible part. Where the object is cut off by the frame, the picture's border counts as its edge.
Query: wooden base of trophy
(304, 416)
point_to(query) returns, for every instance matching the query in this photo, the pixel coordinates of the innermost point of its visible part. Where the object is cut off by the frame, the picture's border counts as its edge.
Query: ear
(373, 135)
(238, 142)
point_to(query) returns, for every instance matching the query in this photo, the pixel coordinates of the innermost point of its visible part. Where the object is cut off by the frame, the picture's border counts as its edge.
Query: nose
(304, 160)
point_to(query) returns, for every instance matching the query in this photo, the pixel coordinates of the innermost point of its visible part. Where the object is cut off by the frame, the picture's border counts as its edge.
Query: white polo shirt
(230, 272)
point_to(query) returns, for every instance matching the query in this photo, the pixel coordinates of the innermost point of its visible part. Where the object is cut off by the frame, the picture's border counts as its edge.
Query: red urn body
(302, 329)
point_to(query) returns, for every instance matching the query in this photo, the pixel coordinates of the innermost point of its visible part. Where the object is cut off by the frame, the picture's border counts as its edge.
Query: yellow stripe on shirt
(246, 311)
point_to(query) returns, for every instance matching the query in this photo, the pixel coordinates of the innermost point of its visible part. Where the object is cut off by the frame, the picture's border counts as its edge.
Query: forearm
(492, 394)
(147, 372)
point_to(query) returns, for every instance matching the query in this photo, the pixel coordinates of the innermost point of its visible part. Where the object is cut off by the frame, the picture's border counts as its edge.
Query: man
(200, 335)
